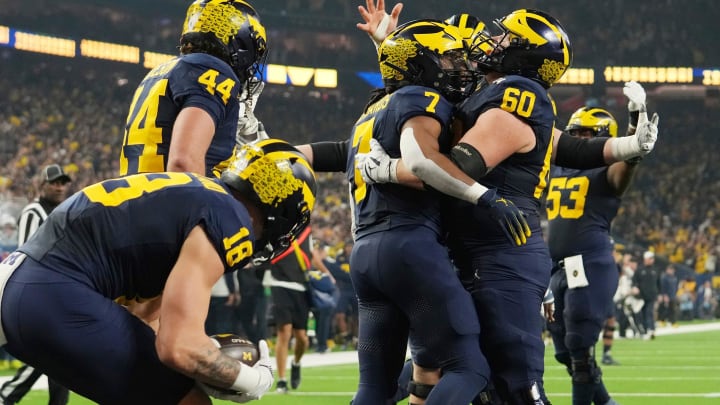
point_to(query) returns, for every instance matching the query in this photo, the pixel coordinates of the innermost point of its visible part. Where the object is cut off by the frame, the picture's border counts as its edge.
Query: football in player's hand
(237, 347)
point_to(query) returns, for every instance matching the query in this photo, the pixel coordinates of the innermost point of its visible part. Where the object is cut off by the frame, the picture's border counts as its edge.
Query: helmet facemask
(530, 43)
(457, 79)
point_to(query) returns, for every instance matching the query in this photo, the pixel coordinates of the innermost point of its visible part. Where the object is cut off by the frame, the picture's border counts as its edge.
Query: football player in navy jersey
(581, 205)
(398, 233)
(184, 113)
(506, 135)
(507, 126)
(162, 240)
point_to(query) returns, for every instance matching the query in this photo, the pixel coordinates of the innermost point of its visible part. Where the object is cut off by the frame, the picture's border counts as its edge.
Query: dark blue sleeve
(229, 228)
(517, 95)
(205, 82)
(412, 101)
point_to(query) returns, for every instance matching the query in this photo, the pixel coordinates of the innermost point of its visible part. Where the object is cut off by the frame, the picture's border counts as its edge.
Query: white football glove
(639, 144)
(263, 367)
(249, 128)
(636, 96)
(647, 132)
(250, 94)
(376, 166)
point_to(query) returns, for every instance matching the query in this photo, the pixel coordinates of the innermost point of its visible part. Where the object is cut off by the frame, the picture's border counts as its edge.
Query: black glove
(511, 218)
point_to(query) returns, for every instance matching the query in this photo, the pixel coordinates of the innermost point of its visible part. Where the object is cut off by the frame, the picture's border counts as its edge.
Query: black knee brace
(584, 367)
(419, 390)
(608, 331)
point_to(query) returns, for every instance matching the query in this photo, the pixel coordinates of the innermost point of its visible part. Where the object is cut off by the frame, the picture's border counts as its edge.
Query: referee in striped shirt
(53, 191)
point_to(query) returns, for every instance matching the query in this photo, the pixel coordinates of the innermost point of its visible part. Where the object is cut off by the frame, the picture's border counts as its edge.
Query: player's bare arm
(181, 342)
(192, 133)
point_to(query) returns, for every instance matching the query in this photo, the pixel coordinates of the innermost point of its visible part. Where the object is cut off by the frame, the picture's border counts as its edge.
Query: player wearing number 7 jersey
(161, 241)
(184, 113)
(400, 268)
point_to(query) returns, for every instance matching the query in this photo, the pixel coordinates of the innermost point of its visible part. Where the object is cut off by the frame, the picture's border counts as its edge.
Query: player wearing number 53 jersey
(581, 205)
(184, 113)
(158, 241)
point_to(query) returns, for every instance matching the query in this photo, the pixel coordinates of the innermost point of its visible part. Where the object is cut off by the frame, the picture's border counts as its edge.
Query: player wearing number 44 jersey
(184, 114)
(159, 241)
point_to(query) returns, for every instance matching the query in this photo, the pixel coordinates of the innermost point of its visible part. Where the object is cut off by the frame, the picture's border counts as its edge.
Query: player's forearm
(203, 362)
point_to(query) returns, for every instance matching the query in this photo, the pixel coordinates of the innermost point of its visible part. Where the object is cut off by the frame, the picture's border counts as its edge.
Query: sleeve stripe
(30, 220)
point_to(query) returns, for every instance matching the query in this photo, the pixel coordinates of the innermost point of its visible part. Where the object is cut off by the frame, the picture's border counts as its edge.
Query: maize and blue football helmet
(227, 29)
(531, 43)
(600, 122)
(278, 179)
(427, 53)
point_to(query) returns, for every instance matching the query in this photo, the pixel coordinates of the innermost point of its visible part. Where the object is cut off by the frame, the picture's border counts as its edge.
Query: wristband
(247, 379)
(476, 191)
(381, 31)
(392, 170)
(625, 148)
(634, 117)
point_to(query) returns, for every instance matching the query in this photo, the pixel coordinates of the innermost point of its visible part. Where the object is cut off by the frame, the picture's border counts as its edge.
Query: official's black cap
(53, 173)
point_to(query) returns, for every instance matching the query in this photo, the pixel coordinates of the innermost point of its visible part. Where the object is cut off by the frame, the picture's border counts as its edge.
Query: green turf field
(672, 369)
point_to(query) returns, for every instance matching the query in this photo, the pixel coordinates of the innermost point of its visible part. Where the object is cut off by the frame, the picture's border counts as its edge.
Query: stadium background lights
(25, 41)
(328, 78)
(4, 35)
(109, 51)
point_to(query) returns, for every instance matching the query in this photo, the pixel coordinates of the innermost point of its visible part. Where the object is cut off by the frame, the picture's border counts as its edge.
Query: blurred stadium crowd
(72, 112)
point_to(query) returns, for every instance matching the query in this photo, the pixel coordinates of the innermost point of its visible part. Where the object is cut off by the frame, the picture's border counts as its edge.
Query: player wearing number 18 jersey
(158, 241)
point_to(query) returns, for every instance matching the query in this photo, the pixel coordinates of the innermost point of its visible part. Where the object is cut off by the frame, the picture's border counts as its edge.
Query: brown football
(237, 347)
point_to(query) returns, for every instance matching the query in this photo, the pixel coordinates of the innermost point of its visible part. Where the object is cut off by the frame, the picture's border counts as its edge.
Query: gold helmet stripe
(519, 25)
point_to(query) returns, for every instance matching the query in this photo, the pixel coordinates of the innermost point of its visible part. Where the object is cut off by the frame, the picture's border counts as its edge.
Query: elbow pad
(469, 160)
(577, 153)
(330, 156)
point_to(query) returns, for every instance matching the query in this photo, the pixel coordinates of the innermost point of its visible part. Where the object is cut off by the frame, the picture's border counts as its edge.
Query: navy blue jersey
(581, 205)
(194, 80)
(123, 236)
(379, 207)
(522, 177)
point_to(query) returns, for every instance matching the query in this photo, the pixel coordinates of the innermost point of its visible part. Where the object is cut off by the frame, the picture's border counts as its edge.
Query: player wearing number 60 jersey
(184, 114)
(127, 258)
(507, 142)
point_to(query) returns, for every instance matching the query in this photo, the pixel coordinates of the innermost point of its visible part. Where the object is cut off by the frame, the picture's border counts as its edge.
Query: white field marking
(649, 394)
(311, 394)
(626, 378)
